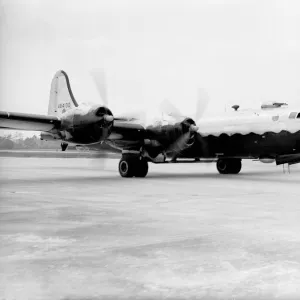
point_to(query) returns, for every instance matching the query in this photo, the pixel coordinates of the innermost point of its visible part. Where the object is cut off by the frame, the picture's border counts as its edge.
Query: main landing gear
(136, 166)
(229, 165)
(130, 166)
(64, 146)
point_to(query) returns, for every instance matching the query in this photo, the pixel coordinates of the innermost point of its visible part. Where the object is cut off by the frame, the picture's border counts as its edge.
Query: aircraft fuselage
(257, 135)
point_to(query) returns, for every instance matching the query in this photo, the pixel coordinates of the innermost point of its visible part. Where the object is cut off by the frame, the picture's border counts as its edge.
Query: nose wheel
(133, 167)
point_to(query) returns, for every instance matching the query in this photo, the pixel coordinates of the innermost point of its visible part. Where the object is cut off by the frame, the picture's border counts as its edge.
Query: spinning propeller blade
(179, 144)
(170, 109)
(202, 101)
(201, 105)
(99, 78)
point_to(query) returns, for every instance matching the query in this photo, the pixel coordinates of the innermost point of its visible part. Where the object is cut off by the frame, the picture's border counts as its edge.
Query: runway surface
(70, 230)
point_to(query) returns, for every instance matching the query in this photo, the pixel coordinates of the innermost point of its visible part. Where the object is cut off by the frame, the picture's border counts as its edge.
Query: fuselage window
(293, 115)
(275, 118)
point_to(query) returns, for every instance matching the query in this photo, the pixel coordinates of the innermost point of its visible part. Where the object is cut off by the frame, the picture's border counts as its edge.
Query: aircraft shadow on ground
(251, 176)
(258, 176)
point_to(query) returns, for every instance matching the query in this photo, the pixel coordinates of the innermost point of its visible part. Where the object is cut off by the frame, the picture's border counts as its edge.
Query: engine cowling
(184, 137)
(87, 125)
(171, 139)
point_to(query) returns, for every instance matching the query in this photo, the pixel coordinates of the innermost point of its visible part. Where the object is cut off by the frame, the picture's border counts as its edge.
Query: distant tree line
(18, 141)
(8, 142)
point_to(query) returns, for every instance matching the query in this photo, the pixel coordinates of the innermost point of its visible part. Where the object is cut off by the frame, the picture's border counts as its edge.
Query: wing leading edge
(32, 122)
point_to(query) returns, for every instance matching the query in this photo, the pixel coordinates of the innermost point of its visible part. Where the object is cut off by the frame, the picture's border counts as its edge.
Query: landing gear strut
(229, 165)
(130, 166)
(64, 146)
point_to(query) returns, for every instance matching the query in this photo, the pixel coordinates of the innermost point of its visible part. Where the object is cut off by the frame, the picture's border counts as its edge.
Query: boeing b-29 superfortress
(270, 135)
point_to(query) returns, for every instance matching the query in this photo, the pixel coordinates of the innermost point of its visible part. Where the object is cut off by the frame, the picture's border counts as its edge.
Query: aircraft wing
(32, 122)
(127, 130)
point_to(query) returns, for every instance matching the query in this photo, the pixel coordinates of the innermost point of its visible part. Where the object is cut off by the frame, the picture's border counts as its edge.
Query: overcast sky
(240, 52)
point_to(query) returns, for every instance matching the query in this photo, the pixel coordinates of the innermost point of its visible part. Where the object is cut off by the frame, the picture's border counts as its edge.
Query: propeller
(202, 103)
(170, 109)
(183, 141)
(99, 79)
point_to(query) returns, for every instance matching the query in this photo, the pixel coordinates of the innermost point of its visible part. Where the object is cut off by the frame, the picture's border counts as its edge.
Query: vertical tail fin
(61, 96)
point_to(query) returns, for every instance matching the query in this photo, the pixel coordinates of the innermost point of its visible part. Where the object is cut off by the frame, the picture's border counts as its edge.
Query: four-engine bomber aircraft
(270, 135)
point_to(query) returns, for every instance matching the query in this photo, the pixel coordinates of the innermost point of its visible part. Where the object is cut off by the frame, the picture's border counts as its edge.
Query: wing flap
(32, 122)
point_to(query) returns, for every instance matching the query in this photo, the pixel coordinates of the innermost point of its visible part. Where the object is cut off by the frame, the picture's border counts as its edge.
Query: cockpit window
(298, 116)
(293, 115)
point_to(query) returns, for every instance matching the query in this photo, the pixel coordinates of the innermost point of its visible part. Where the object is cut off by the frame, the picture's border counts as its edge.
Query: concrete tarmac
(71, 230)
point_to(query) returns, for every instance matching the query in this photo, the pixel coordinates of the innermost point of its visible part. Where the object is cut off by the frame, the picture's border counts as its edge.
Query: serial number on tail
(64, 105)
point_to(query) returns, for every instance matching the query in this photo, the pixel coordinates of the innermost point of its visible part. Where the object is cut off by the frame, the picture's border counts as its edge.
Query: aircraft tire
(127, 167)
(229, 166)
(141, 168)
(236, 166)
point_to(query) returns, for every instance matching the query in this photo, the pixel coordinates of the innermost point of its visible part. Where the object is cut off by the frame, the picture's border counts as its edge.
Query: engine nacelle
(170, 139)
(180, 145)
(87, 125)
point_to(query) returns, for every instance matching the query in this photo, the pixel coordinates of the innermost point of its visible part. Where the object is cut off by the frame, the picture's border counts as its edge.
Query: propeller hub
(105, 114)
(194, 128)
(108, 118)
